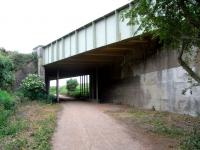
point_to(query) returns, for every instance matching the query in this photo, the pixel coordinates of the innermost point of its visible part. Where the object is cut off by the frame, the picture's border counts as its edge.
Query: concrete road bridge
(123, 67)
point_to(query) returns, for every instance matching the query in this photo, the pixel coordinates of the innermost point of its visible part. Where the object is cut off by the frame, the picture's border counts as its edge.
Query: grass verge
(31, 127)
(183, 129)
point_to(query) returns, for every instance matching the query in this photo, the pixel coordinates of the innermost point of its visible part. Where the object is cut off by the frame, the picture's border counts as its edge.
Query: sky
(25, 24)
(62, 82)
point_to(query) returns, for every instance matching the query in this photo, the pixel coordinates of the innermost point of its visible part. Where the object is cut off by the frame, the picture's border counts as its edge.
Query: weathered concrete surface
(85, 126)
(23, 72)
(155, 81)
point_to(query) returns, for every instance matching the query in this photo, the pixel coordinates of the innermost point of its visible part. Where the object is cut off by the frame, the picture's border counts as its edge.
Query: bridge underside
(87, 62)
(102, 64)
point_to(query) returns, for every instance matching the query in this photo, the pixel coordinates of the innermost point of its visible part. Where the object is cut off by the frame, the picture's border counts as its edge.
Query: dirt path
(85, 126)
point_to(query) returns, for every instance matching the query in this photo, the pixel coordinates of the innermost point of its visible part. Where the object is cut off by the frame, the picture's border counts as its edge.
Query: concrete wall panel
(89, 39)
(100, 33)
(67, 48)
(124, 29)
(111, 29)
(50, 55)
(73, 45)
(60, 44)
(46, 55)
(54, 52)
(143, 85)
(81, 41)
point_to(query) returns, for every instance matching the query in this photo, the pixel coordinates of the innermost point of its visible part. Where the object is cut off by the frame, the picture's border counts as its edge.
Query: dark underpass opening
(78, 87)
(106, 74)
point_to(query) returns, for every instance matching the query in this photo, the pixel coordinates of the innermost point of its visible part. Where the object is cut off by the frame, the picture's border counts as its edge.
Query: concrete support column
(93, 86)
(90, 96)
(57, 86)
(80, 85)
(97, 86)
(84, 85)
(47, 84)
(87, 88)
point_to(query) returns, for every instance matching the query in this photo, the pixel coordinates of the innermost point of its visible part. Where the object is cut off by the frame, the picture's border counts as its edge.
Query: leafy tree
(72, 84)
(176, 23)
(6, 72)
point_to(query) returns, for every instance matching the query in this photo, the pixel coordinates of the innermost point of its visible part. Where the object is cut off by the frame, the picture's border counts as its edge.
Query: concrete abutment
(152, 80)
(155, 81)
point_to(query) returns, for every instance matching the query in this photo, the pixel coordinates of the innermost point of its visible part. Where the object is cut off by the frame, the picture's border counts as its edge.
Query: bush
(72, 84)
(33, 87)
(6, 100)
(6, 72)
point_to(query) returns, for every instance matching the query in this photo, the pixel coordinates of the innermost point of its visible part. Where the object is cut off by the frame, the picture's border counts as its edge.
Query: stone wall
(155, 81)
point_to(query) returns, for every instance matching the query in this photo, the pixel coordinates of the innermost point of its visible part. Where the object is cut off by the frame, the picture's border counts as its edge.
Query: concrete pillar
(97, 86)
(84, 85)
(80, 85)
(89, 77)
(47, 84)
(40, 54)
(57, 86)
(92, 86)
(87, 89)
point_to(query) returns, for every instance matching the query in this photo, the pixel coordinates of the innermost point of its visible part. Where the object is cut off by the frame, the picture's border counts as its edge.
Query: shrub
(72, 84)
(6, 100)
(6, 72)
(33, 87)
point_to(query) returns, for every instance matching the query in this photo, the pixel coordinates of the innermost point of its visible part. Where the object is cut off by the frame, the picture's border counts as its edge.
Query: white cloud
(25, 24)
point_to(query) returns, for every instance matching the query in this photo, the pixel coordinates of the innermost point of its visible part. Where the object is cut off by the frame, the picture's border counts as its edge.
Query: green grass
(64, 91)
(160, 127)
(158, 122)
(12, 127)
(183, 128)
(52, 90)
(30, 127)
(17, 144)
(42, 135)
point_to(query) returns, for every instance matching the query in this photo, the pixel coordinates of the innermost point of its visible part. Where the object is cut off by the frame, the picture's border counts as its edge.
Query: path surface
(85, 126)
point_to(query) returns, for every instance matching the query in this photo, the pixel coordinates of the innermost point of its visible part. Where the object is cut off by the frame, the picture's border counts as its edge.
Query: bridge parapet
(100, 32)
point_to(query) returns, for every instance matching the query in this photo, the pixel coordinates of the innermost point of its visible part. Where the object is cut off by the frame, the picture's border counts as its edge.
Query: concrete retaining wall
(156, 81)
(21, 74)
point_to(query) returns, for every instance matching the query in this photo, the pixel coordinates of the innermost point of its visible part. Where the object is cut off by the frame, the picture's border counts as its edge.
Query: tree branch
(190, 87)
(186, 66)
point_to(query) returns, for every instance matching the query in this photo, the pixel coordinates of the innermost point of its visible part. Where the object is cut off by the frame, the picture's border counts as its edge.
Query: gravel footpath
(85, 126)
